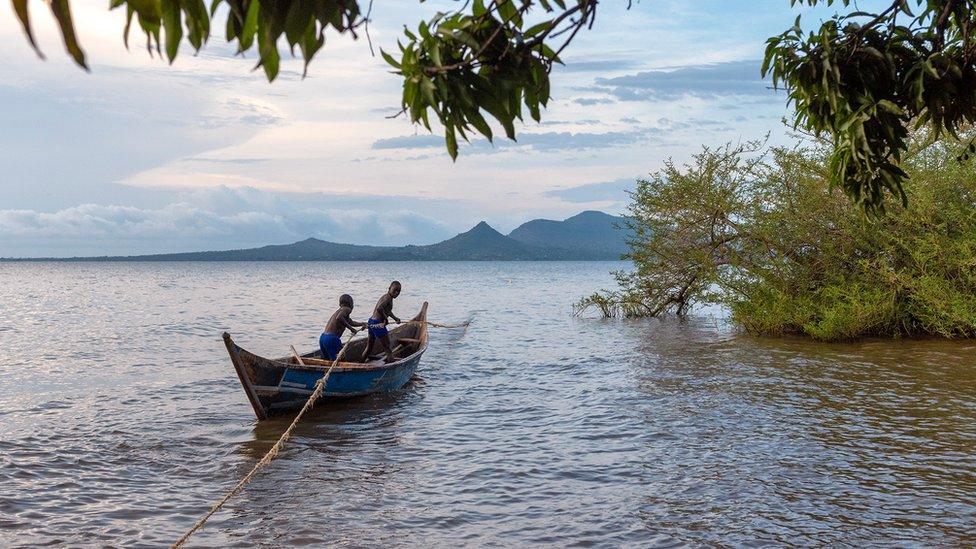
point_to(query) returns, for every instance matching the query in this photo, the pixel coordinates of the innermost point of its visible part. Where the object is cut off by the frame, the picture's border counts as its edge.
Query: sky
(139, 156)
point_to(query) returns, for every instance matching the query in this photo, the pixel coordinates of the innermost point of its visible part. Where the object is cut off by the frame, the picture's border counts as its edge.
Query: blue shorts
(330, 345)
(376, 332)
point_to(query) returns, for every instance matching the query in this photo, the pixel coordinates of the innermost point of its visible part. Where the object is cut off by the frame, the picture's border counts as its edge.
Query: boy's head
(345, 300)
(395, 288)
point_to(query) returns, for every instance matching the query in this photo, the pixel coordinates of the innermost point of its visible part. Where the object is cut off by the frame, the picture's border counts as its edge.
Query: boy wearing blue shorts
(378, 321)
(330, 342)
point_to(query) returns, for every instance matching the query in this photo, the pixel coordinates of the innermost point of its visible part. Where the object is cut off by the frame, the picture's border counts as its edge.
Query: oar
(297, 356)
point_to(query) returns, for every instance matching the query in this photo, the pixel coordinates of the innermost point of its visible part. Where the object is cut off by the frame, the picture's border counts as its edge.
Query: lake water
(122, 421)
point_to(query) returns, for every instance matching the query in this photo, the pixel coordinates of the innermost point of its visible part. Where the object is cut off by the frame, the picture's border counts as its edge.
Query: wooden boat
(282, 384)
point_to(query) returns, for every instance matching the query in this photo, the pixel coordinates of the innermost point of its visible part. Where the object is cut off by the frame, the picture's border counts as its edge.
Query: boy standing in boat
(378, 321)
(330, 342)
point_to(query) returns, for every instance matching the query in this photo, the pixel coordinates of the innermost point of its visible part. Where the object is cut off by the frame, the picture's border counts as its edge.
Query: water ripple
(121, 420)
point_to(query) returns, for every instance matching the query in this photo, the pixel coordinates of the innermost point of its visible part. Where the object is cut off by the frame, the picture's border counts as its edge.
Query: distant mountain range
(589, 235)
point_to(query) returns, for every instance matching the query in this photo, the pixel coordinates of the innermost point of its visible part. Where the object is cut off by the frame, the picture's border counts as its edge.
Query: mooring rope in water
(319, 386)
(273, 452)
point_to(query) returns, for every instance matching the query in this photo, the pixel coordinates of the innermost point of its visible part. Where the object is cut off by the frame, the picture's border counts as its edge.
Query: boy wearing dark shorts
(378, 321)
(330, 342)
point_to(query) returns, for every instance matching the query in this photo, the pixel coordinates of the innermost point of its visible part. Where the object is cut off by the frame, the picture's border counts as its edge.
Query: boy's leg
(369, 345)
(385, 340)
(329, 347)
(324, 346)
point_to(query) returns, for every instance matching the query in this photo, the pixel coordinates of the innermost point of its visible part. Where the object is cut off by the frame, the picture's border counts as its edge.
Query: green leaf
(268, 48)
(451, 138)
(479, 123)
(296, 22)
(197, 21)
(478, 8)
(310, 44)
(62, 13)
(20, 8)
(536, 29)
(173, 26)
(390, 59)
(128, 24)
(890, 107)
(246, 38)
(427, 88)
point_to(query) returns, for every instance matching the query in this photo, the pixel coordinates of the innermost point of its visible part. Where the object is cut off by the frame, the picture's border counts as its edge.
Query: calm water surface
(121, 420)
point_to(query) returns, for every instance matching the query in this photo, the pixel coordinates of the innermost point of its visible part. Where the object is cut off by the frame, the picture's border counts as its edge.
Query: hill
(587, 236)
(590, 230)
(310, 249)
(481, 243)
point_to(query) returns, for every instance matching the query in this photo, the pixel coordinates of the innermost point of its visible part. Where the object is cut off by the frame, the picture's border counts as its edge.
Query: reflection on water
(121, 420)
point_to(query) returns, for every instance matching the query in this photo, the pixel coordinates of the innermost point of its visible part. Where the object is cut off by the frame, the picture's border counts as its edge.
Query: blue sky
(139, 156)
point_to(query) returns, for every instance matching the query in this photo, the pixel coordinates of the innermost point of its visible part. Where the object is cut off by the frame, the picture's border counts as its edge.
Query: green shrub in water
(760, 232)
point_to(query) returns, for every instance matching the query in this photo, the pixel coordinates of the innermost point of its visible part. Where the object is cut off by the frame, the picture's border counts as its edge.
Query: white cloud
(204, 220)
(712, 80)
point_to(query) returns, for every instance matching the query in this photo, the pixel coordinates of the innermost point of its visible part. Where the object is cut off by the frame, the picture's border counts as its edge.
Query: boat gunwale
(323, 368)
(281, 362)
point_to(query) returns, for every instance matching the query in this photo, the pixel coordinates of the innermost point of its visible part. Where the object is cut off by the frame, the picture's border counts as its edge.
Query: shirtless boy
(378, 321)
(330, 342)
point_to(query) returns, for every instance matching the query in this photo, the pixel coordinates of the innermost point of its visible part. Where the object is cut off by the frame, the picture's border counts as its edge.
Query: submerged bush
(761, 233)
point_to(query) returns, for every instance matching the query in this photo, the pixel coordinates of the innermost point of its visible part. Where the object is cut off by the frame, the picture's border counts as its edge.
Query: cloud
(204, 220)
(601, 65)
(541, 141)
(714, 80)
(589, 101)
(237, 110)
(610, 191)
(229, 160)
(409, 142)
(555, 141)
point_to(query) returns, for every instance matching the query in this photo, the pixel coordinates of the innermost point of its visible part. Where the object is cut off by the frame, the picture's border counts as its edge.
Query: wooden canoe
(282, 384)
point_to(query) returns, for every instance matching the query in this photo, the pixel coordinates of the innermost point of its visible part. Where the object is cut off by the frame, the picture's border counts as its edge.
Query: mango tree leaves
(479, 62)
(166, 23)
(462, 66)
(864, 79)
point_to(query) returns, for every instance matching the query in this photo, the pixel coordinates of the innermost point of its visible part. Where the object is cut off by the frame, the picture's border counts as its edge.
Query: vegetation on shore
(762, 232)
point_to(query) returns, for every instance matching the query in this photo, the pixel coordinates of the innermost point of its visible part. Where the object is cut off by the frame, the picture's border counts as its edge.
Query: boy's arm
(393, 316)
(350, 323)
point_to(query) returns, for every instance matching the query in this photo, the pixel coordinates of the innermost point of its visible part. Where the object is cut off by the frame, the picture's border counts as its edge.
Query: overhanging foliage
(863, 78)
(866, 78)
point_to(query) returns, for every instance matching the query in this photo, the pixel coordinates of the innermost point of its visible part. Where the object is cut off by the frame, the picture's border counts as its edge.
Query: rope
(434, 324)
(273, 452)
(319, 386)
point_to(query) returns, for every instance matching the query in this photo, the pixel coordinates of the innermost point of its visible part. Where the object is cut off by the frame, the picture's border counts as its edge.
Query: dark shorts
(330, 344)
(379, 331)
